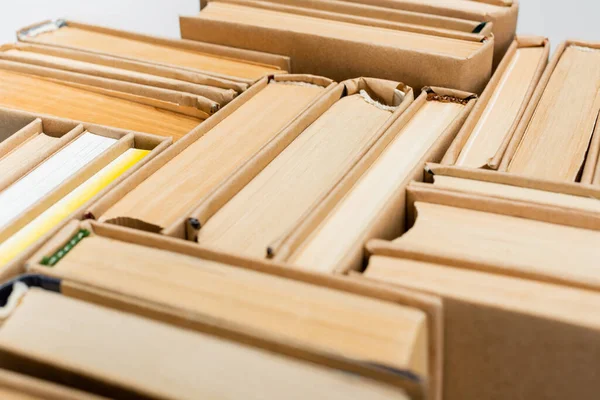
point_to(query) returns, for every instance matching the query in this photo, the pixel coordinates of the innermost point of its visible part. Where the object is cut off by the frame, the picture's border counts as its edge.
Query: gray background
(556, 19)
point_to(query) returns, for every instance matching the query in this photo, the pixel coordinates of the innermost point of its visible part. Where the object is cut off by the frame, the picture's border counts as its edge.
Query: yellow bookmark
(54, 215)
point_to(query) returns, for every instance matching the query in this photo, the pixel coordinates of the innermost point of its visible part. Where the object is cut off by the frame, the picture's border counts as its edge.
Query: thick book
(219, 61)
(344, 50)
(506, 337)
(270, 205)
(369, 201)
(40, 95)
(575, 196)
(363, 14)
(120, 355)
(164, 199)
(502, 13)
(78, 164)
(485, 136)
(114, 69)
(559, 141)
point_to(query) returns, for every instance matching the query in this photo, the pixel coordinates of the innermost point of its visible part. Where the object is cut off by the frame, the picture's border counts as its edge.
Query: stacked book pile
(335, 199)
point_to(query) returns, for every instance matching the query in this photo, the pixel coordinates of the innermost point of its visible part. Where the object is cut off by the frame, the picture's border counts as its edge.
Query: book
(555, 142)
(506, 191)
(277, 198)
(342, 230)
(502, 13)
(303, 38)
(502, 328)
(374, 16)
(14, 245)
(117, 354)
(97, 66)
(309, 316)
(50, 174)
(131, 46)
(204, 164)
(537, 249)
(487, 132)
(42, 96)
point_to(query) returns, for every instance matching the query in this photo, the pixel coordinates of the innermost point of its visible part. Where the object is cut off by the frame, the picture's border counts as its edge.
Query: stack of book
(404, 204)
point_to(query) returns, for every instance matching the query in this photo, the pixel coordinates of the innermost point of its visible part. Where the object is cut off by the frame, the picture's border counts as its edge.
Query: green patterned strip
(52, 260)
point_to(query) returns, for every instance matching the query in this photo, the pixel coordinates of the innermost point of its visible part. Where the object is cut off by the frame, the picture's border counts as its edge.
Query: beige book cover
(344, 50)
(217, 304)
(15, 386)
(560, 123)
(506, 337)
(267, 207)
(118, 354)
(109, 68)
(220, 61)
(254, 120)
(39, 95)
(502, 13)
(332, 238)
(485, 136)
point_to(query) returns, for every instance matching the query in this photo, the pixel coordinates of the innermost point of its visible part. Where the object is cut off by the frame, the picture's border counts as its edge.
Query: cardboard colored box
(183, 317)
(18, 126)
(389, 222)
(344, 59)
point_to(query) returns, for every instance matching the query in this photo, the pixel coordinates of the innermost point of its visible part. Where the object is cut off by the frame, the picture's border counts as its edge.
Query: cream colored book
(500, 113)
(262, 18)
(555, 143)
(308, 316)
(72, 61)
(343, 229)
(517, 193)
(42, 96)
(511, 244)
(479, 6)
(519, 325)
(50, 174)
(25, 153)
(107, 42)
(275, 200)
(136, 356)
(516, 294)
(182, 182)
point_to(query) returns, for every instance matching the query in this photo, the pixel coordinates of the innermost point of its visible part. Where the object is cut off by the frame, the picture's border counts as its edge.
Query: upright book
(367, 202)
(272, 203)
(99, 349)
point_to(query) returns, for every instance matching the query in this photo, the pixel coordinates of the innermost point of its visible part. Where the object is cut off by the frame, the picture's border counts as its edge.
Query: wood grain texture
(130, 48)
(162, 361)
(181, 183)
(500, 113)
(341, 230)
(557, 138)
(38, 95)
(276, 198)
(235, 13)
